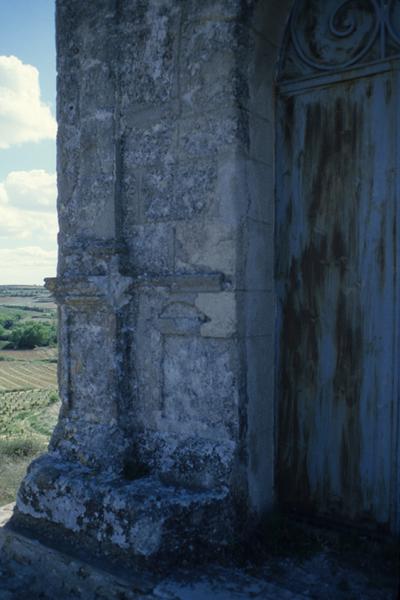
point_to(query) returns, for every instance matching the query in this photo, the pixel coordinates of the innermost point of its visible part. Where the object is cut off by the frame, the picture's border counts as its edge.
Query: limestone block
(178, 191)
(245, 189)
(98, 446)
(75, 14)
(216, 9)
(88, 184)
(97, 38)
(205, 246)
(211, 67)
(68, 197)
(146, 359)
(94, 216)
(86, 45)
(181, 318)
(128, 207)
(86, 103)
(199, 387)
(186, 460)
(150, 140)
(157, 193)
(93, 257)
(229, 55)
(97, 157)
(141, 520)
(185, 391)
(149, 53)
(220, 314)
(68, 104)
(63, 358)
(214, 133)
(97, 89)
(151, 248)
(231, 204)
(141, 13)
(92, 382)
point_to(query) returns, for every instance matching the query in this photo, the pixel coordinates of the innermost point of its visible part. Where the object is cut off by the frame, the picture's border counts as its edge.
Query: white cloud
(24, 225)
(3, 195)
(27, 205)
(23, 257)
(31, 190)
(28, 226)
(23, 115)
(27, 265)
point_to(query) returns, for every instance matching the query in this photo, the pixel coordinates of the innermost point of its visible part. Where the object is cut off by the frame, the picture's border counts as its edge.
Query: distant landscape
(29, 402)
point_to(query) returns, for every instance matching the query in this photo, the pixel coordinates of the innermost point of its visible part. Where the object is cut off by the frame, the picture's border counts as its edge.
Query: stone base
(144, 521)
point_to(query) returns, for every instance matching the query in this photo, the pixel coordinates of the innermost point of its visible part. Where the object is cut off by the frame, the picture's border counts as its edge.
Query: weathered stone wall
(165, 279)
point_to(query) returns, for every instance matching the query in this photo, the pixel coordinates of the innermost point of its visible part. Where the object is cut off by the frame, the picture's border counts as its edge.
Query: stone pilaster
(165, 440)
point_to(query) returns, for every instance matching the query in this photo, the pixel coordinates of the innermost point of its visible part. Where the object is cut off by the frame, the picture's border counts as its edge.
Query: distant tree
(29, 334)
(4, 333)
(8, 323)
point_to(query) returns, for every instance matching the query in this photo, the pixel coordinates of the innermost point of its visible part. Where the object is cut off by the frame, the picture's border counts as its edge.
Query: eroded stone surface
(141, 519)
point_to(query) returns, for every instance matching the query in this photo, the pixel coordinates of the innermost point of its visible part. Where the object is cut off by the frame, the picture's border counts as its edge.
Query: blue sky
(27, 141)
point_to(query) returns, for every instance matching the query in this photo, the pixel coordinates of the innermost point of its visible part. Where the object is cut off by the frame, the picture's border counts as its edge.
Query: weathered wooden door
(338, 263)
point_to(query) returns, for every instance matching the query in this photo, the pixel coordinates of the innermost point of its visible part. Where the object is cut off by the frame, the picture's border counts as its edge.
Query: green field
(29, 402)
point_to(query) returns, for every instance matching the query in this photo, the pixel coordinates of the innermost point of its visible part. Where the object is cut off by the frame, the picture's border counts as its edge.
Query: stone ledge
(30, 568)
(59, 575)
(49, 574)
(143, 520)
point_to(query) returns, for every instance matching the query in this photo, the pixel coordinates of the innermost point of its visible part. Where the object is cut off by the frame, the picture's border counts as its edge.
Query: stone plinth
(142, 520)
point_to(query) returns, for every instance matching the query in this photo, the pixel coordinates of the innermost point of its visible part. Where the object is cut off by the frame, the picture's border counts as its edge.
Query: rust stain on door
(336, 248)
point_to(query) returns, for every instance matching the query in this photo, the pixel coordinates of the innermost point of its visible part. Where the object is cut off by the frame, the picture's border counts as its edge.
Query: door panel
(337, 287)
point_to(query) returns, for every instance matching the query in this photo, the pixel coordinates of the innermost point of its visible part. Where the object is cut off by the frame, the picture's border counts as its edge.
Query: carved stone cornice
(115, 290)
(105, 291)
(183, 282)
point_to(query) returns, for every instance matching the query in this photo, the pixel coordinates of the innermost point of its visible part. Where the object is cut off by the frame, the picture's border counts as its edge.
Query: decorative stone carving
(328, 36)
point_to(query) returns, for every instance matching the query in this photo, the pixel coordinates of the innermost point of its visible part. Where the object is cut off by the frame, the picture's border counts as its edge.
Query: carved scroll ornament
(330, 35)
